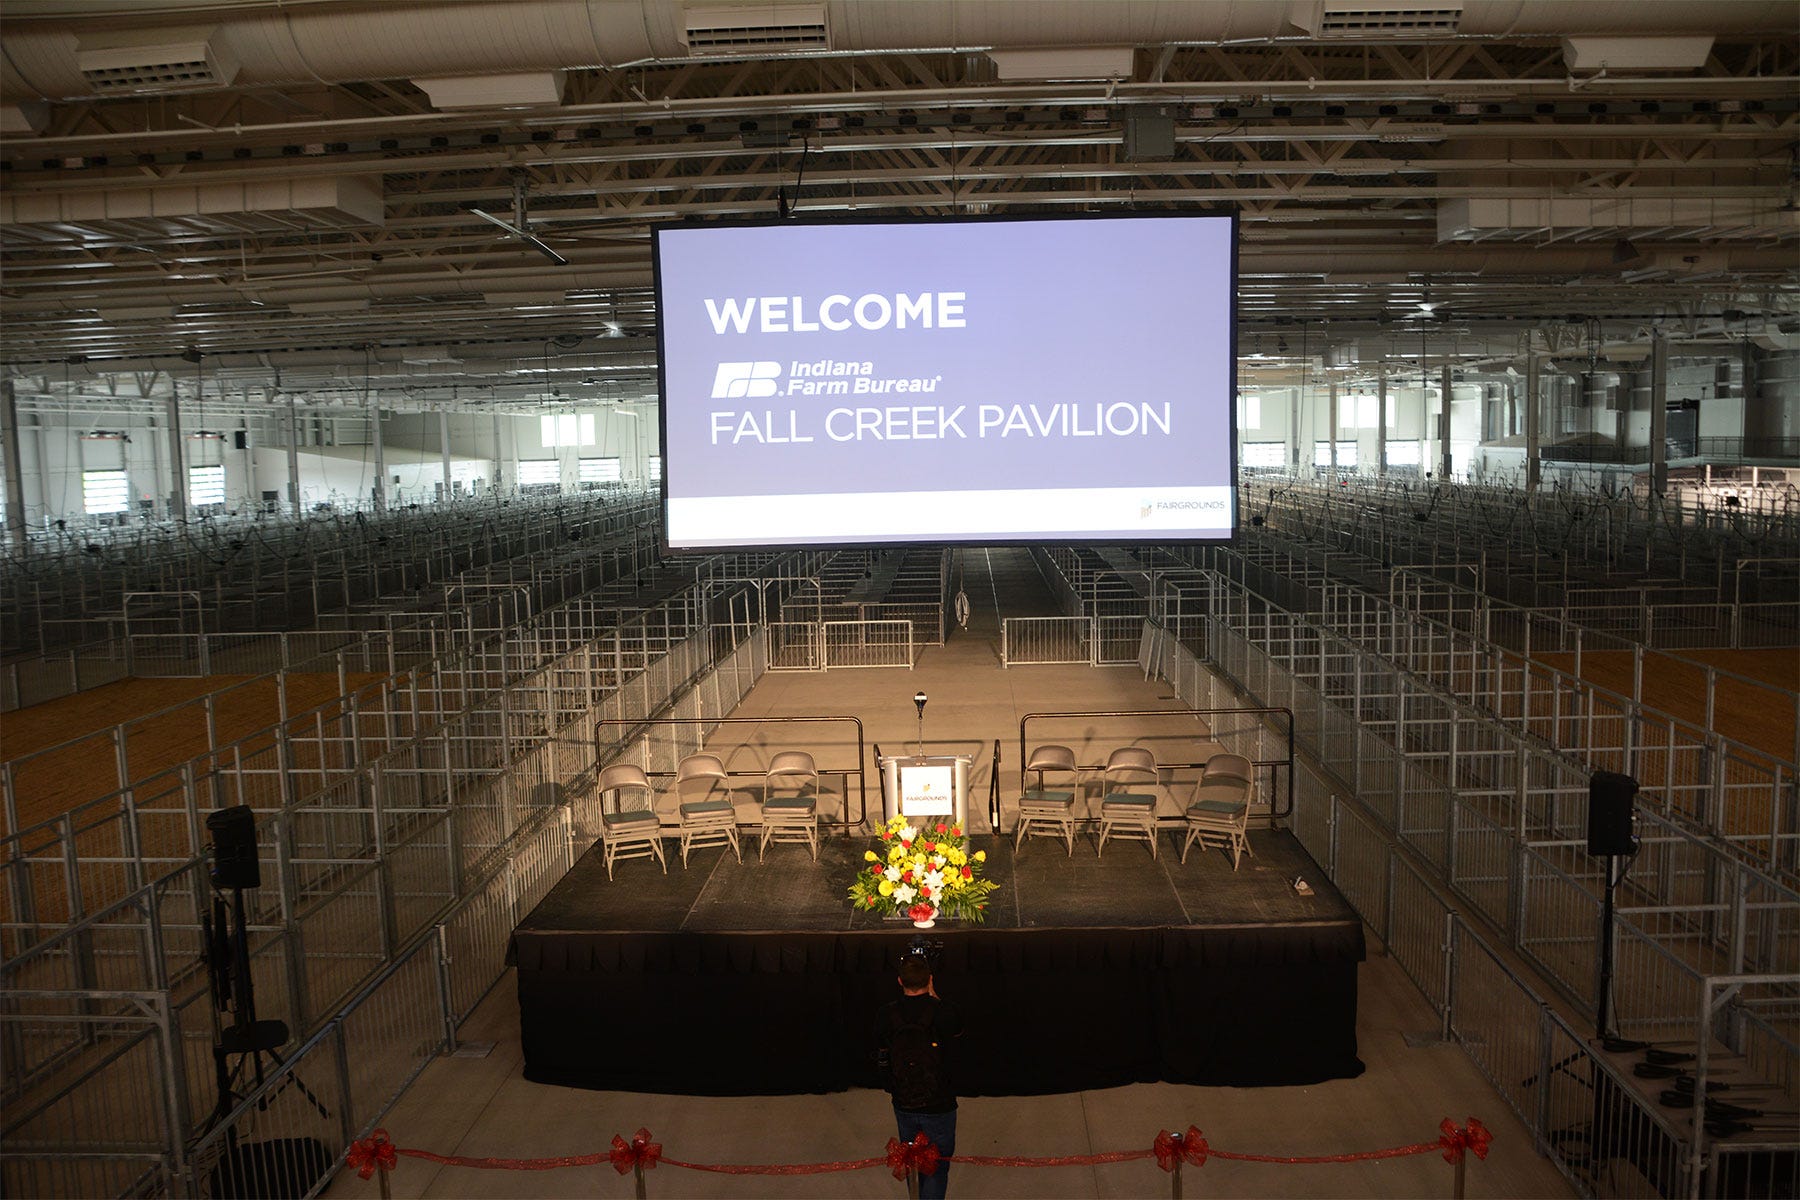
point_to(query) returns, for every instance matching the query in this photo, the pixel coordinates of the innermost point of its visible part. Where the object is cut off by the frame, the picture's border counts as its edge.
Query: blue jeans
(941, 1129)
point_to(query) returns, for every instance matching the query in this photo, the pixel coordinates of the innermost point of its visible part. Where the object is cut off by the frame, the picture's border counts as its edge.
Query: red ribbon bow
(640, 1151)
(920, 1154)
(1455, 1139)
(372, 1153)
(1170, 1148)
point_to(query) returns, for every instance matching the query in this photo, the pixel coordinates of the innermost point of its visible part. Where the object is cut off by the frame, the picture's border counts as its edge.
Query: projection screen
(987, 381)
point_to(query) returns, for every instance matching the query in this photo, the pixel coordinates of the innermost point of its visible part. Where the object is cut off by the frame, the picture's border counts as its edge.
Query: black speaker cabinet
(1610, 797)
(233, 833)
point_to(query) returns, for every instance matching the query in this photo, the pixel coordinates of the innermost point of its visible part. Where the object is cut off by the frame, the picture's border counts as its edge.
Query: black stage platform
(1088, 972)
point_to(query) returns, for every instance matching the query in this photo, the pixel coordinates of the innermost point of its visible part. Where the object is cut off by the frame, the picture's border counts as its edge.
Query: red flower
(906, 877)
(874, 868)
(930, 847)
(941, 829)
(955, 830)
(968, 874)
(906, 845)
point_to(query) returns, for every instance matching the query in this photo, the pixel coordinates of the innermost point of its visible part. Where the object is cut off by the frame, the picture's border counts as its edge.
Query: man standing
(910, 1034)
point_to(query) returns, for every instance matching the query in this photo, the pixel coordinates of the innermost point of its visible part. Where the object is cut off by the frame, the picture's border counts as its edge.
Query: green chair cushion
(631, 816)
(790, 802)
(1047, 796)
(1218, 807)
(700, 808)
(1129, 800)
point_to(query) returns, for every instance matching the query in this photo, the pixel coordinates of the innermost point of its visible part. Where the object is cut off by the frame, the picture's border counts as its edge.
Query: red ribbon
(1455, 1139)
(919, 1154)
(371, 1154)
(640, 1151)
(1170, 1148)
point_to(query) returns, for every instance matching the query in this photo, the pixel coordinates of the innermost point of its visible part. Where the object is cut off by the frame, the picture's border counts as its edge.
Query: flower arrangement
(922, 871)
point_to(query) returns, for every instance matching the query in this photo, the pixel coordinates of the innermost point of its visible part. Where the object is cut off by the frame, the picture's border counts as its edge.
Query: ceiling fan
(520, 225)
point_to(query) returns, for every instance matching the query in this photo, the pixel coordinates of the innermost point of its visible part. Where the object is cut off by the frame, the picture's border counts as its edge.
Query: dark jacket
(944, 1021)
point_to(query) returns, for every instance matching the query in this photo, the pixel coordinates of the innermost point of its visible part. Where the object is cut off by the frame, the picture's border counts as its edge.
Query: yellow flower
(981, 856)
(869, 855)
(886, 887)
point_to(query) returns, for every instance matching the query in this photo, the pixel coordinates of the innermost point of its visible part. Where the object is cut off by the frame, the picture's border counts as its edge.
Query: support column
(1296, 440)
(14, 468)
(178, 489)
(293, 449)
(1659, 413)
(1444, 428)
(499, 457)
(1533, 468)
(1331, 423)
(1381, 417)
(444, 446)
(378, 493)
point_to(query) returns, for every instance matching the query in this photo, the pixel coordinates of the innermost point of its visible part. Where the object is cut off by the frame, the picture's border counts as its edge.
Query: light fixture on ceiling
(1629, 52)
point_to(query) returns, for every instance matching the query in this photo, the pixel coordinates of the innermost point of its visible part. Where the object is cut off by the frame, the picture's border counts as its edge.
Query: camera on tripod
(929, 949)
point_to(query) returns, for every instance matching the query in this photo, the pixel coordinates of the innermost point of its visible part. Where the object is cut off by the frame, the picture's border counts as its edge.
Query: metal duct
(290, 44)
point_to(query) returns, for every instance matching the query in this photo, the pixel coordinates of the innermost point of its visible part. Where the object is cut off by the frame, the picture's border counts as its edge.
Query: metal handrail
(1276, 811)
(601, 757)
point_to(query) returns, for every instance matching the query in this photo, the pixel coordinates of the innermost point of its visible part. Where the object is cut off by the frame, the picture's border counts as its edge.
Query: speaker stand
(1603, 1005)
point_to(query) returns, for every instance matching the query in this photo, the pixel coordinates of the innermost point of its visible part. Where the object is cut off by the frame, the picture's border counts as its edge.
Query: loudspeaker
(233, 833)
(1610, 797)
(240, 439)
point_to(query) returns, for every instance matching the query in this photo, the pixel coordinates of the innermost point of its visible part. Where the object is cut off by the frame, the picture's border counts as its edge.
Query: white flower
(892, 874)
(910, 834)
(934, 881)
(904, 894)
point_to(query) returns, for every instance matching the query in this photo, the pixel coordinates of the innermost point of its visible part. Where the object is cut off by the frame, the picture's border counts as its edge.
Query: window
(1357, 411)
(656, 468)
(600, 470)
(566, 429)
(1346, 454)
(538, 471)
(1250, 412)
(104, 491)
(1403, 454)
(1263, 454)
(206, 485)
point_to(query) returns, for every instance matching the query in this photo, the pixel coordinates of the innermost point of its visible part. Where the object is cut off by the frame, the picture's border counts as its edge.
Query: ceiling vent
(1389, 19)
(759, 28)
(161, 60)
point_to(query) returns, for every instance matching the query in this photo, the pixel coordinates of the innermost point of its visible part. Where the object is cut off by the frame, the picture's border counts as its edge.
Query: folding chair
(1219, 809)
(709, 819)
(1046, 810)
(629, 832)
(1128, 796)
(790, 816)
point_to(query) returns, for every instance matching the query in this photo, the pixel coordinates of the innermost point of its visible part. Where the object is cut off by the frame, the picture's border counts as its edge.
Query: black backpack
(916, 1063)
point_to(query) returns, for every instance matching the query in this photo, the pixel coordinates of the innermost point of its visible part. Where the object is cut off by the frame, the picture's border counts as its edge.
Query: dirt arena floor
(1743, 712)
(49, 785)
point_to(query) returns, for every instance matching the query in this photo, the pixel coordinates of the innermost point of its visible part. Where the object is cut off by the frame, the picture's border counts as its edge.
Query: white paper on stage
(926, 790)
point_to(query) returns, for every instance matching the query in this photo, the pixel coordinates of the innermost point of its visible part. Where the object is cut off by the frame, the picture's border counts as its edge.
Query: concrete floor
(484, 1107)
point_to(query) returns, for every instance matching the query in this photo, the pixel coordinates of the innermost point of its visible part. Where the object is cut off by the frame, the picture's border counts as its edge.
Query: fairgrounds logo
(741, 380)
